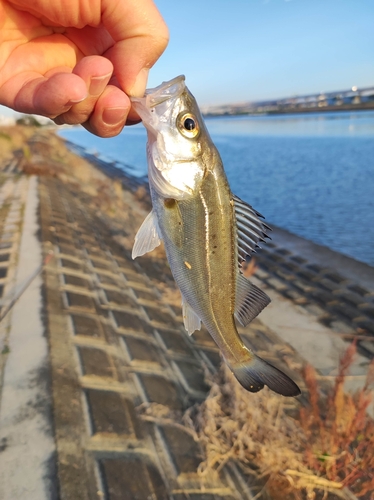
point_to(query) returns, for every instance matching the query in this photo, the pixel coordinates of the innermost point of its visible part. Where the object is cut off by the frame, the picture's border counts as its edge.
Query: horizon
(294, 96)
(254, 50)
(8, 112)
(259, 50)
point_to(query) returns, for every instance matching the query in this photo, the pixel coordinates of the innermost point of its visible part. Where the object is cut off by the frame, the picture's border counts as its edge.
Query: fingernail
(140, 84)
(98, 84)
(113, 116)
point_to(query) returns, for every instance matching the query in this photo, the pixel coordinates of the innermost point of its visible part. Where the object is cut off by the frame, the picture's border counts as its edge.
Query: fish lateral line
(207, 231)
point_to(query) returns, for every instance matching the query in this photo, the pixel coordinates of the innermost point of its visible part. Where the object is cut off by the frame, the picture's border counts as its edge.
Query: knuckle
(102, 130)
(161, 38)
(75, 116)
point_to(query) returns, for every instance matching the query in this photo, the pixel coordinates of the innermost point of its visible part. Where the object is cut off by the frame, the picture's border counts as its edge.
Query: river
(312, 174)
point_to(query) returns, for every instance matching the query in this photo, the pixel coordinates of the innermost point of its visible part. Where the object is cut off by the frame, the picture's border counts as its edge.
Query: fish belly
(199, 240)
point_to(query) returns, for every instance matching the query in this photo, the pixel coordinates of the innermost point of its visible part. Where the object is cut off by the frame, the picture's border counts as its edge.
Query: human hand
(78, 61)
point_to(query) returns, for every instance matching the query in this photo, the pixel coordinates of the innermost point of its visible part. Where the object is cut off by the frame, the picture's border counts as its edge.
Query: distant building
(353, 98)
(367, 95)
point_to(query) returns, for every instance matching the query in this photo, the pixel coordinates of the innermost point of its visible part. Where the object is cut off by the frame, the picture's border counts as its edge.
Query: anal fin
(191, 320)
(250, 300)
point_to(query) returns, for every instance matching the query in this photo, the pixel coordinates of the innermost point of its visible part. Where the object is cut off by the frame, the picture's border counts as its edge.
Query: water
(312, 174)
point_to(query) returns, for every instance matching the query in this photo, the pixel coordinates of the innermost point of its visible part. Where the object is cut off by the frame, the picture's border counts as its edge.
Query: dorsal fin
(250, 228)
(250, 300)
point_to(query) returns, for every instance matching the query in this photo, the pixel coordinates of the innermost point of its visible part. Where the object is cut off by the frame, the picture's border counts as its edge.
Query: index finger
(140, 36)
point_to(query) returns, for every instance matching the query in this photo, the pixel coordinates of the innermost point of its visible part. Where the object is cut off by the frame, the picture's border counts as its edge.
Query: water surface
(312, 174)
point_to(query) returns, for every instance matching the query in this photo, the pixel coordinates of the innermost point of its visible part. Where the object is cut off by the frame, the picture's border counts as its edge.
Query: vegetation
(326, 446)
(319, 450)
(4, 135)
(28, 121)
(339, 431)
(5, 350)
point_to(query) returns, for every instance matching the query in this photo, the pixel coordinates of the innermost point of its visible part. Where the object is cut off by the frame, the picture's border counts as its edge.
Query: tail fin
(257, 373)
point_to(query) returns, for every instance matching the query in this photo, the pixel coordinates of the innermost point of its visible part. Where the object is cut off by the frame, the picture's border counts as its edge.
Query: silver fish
(207, 231)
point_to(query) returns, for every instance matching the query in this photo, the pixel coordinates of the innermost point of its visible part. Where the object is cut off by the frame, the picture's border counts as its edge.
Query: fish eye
(188, 125)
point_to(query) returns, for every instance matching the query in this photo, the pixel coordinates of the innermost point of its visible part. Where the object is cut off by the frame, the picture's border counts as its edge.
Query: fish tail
(256, 373)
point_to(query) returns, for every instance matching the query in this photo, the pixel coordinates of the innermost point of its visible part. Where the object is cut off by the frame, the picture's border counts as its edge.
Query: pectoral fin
(250, 300)
(191, 320)
(148, 236)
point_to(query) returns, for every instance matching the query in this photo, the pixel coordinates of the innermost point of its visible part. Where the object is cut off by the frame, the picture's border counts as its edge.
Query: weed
(5, 350)
(327, 446)
(339, 433)
(26, 152)
(4, 135)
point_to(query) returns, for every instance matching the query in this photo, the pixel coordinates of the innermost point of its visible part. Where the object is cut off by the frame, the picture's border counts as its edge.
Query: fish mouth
(167, 90)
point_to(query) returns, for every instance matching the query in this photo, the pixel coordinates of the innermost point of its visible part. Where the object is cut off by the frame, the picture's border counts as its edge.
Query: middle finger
(96, 72)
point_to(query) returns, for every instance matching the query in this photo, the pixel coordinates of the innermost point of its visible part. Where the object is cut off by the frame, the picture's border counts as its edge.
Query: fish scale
(201, 282)
(206, 231)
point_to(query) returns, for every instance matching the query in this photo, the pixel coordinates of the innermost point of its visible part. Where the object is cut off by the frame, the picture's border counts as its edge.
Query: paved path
(116, 342)
(27, 458)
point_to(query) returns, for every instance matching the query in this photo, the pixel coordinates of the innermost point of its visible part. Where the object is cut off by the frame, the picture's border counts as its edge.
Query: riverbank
(289, 109)
(106, 334)
(309, 174)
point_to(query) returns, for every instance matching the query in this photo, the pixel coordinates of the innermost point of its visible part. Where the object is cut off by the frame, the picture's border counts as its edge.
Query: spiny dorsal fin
(191, 320)
(250, 228)
(250, 300)
(148, 236)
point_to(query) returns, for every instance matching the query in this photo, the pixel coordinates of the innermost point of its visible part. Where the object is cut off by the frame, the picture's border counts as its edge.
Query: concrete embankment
(115, 338)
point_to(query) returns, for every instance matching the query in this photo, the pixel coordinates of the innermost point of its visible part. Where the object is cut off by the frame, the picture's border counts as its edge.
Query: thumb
(140, 36)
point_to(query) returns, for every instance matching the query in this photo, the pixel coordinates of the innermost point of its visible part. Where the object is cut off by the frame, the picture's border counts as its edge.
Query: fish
(207, 231)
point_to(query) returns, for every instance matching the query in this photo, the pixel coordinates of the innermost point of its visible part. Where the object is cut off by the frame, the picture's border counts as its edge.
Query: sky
(244, 50)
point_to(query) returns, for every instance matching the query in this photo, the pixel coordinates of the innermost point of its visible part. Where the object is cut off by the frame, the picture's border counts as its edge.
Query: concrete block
(80, 301)
(72, 280)
(131, 479)
(174, 342)
(184, 451)
(160, 390)
(161, 316)
(131, 322)
(85, 325)
(107, 413)
(95, 362)
(141, 350)
(120, 299)
(193, 376)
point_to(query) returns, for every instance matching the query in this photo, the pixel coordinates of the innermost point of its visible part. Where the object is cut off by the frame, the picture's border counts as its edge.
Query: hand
(77, 61)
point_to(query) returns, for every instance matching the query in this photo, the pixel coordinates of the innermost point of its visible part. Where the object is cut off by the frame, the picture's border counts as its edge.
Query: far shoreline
(295, 111)
(347, 265)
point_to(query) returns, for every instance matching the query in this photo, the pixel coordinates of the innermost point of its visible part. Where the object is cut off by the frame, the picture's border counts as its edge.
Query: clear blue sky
(243, 50)
(240, 50)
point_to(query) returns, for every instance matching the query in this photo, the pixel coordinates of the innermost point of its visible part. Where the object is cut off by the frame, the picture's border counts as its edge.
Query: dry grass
(11, 139)
(325, 448)
(328, 447)
(340, 434)
(252, 430)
